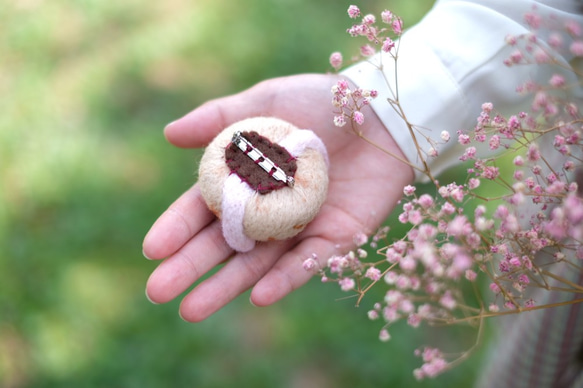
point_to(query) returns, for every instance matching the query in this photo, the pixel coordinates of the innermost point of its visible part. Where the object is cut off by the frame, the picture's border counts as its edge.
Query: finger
(237, 276)
(200, 126)
(181, 270)
(183, 219)
(288, 273)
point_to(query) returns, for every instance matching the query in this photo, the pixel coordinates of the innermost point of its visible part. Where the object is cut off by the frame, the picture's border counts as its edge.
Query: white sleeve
(449, 64)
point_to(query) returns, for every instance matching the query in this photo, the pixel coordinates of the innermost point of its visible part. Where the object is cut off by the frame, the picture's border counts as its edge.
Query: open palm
(365, 185)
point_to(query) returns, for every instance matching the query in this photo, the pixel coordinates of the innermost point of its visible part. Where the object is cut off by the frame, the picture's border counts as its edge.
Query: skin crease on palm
(365, 185)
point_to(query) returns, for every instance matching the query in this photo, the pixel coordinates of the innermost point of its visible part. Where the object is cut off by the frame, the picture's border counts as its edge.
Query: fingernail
(146, 256)
(148, 297)
(251, 301)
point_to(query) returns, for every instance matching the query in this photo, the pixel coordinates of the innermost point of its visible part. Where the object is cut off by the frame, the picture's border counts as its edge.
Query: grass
(84, 170)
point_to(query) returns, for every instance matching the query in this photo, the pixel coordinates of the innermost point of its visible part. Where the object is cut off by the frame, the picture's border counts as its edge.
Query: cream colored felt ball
(267, 213)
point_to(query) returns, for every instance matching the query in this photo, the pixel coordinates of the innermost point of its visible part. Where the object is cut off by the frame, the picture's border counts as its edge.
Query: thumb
(197, 128)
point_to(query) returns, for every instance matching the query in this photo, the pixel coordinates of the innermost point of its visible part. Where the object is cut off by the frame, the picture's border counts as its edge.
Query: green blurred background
(86, 88)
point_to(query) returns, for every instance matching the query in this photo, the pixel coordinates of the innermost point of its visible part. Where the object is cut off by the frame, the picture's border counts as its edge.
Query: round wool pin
(264, 179)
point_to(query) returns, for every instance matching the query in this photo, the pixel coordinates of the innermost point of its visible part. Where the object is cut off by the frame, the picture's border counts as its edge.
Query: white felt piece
(235, 196)
(297, 141)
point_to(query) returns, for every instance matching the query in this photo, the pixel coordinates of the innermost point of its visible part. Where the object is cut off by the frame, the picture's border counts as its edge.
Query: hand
(365, 185)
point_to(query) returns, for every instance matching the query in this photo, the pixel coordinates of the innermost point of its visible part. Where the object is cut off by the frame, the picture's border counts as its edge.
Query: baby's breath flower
(445, 136)
(409, 190)
(336, 60)
(373, 274)
(353, 12)
(367, 50)
(388, 45)
(387, 16)
(310, 263)
(339, 121)
(397, 26)
(384, 335)
(347, 284)
(576, 48)
(358, 118)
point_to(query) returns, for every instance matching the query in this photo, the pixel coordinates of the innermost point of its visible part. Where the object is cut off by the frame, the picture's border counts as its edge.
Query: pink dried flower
(387, 16)
(369, 19)
(479, 211)
(448, 208)
(384, 335)
(426, 201)
(356, 30)
(470, 153)
(473, 183)
(390, 314)
(516, 57)
(310, 263)
(434, 364)
(533, 20)
(529, 303)
(414, 320)
(510, 40)
(448, 301)
(408, 264)
(463, 139)
(494, 142)
(353, 12)
(490, 172)
(533, 154)
(367, 51)
(360, 239)
(569, 165)
(576, 48)
(524, 279)
(339, 120)
(555, 40)
(336, 60)
(388, 45)
(457, 193)
(400, 246)
(487, 107)
(397, 26)
(358, 117)
(409, 190)
(495, 288)
(573, 28)
(557, 81)
(373, 274)
(347, 284)
(459, 226)
(471, 275)
(541, 56)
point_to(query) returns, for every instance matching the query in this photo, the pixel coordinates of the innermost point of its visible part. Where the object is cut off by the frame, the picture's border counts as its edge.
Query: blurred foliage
(86, 88)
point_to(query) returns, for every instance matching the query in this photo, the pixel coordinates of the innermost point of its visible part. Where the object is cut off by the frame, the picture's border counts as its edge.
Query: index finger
(176, 226)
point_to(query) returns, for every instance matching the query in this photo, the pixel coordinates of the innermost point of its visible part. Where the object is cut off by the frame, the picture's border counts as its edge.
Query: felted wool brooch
(264, 179)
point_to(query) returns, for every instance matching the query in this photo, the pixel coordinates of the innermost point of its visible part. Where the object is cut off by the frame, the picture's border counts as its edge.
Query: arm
(452, 62)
